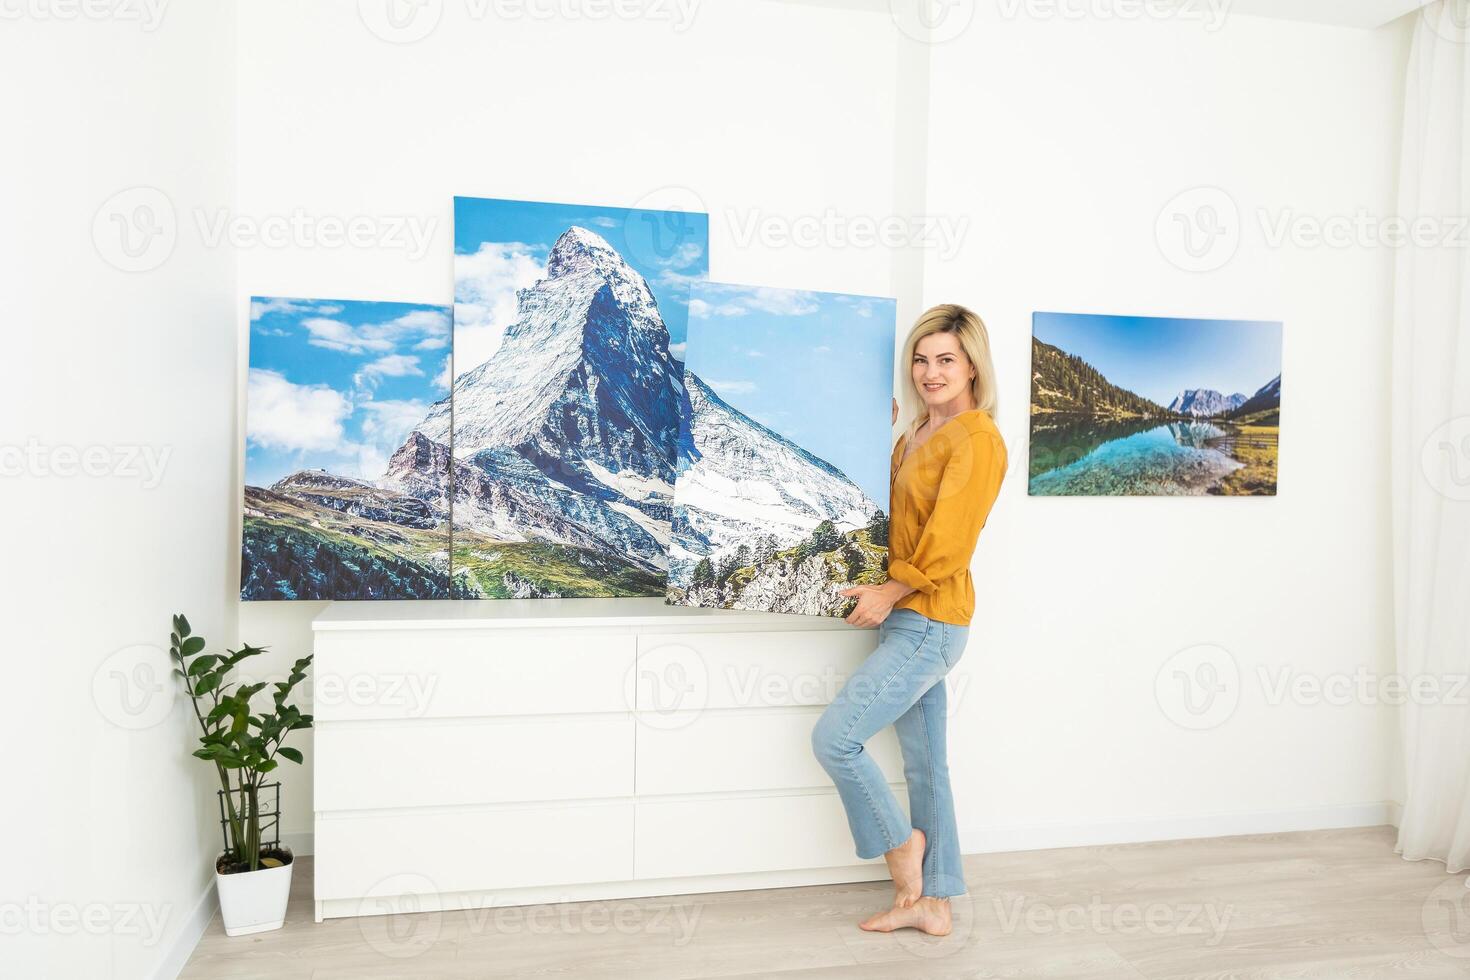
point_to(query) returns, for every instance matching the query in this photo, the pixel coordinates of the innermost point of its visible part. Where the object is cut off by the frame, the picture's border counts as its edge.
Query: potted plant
(254, 881)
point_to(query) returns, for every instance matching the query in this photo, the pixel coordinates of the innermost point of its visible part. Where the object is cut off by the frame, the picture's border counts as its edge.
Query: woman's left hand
(872, 608)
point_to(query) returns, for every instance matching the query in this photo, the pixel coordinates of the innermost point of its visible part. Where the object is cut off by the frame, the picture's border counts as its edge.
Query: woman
(944, 476)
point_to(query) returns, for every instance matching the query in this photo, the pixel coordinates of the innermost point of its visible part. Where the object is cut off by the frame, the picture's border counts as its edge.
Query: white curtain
(1431, 440)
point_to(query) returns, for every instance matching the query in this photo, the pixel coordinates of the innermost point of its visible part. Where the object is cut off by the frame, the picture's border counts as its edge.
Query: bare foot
(929, 915)
(906, 867)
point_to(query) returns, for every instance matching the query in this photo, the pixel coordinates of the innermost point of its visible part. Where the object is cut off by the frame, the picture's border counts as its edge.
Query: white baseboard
(187, 938)
(300, 842)
(1034, 837)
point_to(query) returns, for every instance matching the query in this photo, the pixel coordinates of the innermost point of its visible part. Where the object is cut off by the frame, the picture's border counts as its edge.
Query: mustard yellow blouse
(940, 497)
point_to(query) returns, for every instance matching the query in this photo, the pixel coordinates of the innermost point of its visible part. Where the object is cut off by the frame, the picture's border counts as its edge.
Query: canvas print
(569, 329)
(336, 506)
(782, 489)
(1154, 406)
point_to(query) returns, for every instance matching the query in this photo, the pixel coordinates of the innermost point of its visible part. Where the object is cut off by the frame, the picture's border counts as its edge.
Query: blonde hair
(969, 330)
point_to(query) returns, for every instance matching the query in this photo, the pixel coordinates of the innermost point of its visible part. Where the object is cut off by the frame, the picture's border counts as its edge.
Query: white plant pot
(254, 901)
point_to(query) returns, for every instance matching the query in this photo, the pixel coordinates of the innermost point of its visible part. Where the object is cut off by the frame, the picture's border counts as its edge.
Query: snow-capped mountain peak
(1204, 402)
(746, 480)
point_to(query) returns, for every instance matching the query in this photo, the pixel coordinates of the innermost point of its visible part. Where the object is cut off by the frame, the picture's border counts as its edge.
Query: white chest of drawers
(507, 752)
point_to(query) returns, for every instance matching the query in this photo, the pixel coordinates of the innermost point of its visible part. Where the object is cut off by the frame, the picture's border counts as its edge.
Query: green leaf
(208, 683)
(293, 754)
(268, 765)
(192, 645)
(201, 664)
(181, 625)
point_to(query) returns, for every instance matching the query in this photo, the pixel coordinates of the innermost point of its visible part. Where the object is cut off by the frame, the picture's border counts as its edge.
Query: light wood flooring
(1331, 904)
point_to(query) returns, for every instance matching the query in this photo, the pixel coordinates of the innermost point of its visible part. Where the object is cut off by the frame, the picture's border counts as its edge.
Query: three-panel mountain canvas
(528, 442)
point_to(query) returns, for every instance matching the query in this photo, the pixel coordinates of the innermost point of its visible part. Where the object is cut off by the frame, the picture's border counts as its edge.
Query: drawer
(717, 751)
(692, 671)
(384, 764)
(472, 849)
(732, 835)
(468, 673)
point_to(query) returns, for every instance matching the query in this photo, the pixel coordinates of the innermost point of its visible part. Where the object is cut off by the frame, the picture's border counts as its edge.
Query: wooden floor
(1330, 904)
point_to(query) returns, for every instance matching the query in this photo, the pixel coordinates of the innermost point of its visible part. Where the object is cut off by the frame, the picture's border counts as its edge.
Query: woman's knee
(827, 740)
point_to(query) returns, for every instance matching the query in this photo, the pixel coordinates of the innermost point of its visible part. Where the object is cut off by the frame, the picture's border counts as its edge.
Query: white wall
(108, 823)
(750, 112)
(1064, 141)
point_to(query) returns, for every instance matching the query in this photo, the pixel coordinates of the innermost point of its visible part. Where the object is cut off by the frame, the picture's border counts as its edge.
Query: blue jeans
(900, 684)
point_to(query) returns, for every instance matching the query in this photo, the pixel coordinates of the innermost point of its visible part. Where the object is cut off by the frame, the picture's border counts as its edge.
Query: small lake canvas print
(1154, 406)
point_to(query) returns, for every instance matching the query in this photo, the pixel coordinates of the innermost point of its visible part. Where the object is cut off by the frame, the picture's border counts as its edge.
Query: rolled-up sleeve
(966, 492)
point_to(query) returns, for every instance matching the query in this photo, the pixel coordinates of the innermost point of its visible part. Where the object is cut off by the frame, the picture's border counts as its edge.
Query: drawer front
(717, 751)
(728, 836)
(469, 673)
(691, 671)
(381, 765)
(472, 849)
